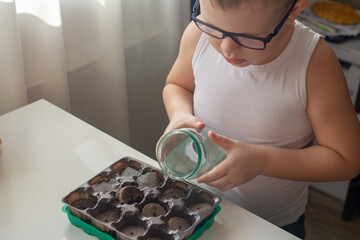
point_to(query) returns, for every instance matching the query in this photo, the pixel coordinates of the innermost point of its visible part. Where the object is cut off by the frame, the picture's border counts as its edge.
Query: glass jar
(188, 153)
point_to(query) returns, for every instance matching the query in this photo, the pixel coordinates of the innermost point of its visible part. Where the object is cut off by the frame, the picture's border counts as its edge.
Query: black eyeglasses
(245, 40)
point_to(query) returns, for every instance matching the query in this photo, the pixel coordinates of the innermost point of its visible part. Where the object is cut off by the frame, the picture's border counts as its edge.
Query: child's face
(253, 19)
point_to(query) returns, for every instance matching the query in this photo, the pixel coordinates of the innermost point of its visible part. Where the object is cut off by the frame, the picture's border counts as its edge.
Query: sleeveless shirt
(259, 104)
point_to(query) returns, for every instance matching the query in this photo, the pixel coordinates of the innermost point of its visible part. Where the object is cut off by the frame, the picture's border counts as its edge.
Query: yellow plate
(335, 12)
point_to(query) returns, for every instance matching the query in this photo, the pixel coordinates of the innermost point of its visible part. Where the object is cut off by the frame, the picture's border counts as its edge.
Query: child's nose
(228, 45)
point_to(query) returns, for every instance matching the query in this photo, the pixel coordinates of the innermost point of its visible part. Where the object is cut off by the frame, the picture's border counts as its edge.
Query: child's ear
(298, 8)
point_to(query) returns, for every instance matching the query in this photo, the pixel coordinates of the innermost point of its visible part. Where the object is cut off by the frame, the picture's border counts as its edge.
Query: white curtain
(104, 61)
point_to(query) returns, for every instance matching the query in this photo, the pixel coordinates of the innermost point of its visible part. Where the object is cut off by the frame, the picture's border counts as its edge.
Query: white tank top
(259, 104)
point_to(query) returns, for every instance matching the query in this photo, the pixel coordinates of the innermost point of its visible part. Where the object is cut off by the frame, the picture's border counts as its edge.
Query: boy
(249, 71)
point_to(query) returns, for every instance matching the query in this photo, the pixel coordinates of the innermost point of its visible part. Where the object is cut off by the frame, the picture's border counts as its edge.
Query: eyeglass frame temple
(279, 26)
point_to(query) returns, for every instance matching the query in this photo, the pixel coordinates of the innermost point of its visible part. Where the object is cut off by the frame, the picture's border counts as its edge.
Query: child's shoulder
(324, 72)
(322, 55)
(321, 51)
(190, 39)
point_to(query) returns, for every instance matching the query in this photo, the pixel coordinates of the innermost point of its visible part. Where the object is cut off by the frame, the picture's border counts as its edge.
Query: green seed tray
(91, 230)
(114, 202)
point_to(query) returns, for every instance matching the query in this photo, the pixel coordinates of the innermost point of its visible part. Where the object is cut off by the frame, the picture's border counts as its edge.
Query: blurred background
(104, 61)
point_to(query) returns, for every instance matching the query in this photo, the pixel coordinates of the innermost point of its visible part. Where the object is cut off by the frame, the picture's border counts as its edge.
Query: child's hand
(243, 163)
(184, 120)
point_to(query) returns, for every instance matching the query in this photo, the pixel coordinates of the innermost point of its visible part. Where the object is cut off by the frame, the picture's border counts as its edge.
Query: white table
(47, 152)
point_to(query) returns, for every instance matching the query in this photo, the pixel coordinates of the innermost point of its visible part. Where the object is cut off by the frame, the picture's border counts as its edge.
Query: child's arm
(179, 88)
(335, 125)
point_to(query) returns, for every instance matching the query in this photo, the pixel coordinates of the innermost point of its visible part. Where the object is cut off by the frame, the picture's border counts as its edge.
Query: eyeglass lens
(244, 41)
